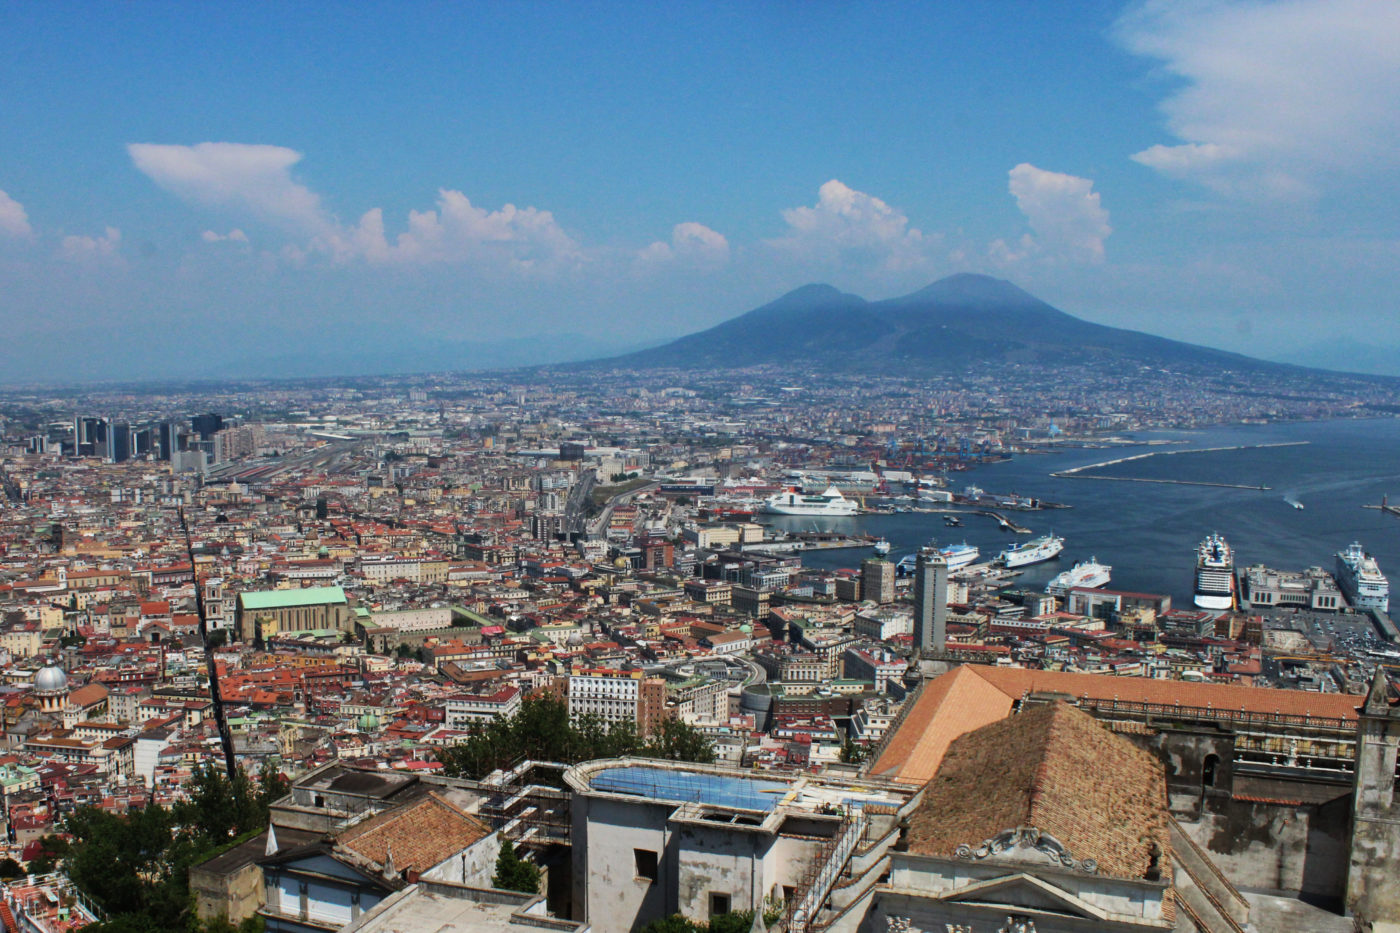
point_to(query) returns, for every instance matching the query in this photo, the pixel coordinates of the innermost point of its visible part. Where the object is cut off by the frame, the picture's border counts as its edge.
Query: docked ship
(1032, 552)
(830, 503)
(1089, 573)
(956, 555)
(1361, 579)
(1215, 574)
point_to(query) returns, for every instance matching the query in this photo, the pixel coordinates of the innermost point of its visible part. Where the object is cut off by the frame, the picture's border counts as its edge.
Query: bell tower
(1372, 893)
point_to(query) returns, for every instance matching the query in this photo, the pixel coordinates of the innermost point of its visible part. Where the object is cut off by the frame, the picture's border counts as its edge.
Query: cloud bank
(1274, 97)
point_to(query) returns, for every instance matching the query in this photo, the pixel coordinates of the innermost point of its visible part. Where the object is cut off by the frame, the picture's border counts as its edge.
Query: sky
(226, 190)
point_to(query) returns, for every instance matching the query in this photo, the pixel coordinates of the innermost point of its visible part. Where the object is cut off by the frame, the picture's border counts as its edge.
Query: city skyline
(221, 194)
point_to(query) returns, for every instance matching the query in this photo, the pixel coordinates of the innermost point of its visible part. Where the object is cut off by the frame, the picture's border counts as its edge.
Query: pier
(1080, 471)
(1385, 507)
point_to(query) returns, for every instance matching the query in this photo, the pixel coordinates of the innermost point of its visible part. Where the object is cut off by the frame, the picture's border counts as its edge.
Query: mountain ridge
(958, 322)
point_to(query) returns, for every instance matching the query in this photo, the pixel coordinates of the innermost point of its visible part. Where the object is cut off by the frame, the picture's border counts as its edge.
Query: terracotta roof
(420, 835)
(973, 695)
(1053, 767)
(948, 707)
(1017, 682)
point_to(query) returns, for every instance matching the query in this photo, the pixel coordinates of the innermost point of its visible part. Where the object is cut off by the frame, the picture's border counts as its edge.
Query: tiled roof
(973, 695)
(420, 835)
(1055, 768)
(948, 707)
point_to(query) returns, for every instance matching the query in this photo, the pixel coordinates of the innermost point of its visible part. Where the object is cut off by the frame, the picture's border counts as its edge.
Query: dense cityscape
(616, 467)
(429, 594)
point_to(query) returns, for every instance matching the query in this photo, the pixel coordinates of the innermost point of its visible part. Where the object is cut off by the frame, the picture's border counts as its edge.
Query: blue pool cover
(691, 787)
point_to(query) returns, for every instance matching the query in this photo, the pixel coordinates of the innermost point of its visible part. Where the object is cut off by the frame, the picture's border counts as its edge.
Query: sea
(1148, 532)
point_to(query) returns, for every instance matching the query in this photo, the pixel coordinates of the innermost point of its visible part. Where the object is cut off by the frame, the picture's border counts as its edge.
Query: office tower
(89, 436)
(931, 602)
(206, 426)
(877, 580)
(165, 439)
(118, 442)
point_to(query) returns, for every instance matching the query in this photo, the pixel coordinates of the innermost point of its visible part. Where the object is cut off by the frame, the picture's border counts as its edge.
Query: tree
(514, 873)
(677, 740)
(853, 754)
(9, 868)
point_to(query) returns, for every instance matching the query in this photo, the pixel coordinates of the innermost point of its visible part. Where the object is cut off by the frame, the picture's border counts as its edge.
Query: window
(719, 903)
(646, 861)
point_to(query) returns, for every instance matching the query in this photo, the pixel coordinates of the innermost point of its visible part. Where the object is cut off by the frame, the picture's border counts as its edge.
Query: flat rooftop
(731, 788)
(681, 786)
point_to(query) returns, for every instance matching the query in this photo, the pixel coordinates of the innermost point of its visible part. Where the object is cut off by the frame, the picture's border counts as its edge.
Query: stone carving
(895, 924)
(1027, 837)
(958, 927)
(1017, 925)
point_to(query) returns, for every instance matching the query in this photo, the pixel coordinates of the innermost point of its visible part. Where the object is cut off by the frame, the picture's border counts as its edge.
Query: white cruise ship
(1032, 552)
(1361, 579)
(1089, 573)
(791, 502)
(1215, 574)
(956, 556)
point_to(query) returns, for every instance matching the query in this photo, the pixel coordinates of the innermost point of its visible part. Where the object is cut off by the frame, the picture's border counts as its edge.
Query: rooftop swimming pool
(691, 787)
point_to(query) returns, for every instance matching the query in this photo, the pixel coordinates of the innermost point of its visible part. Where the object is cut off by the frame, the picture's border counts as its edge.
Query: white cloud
(1064, 213)
(257, 180)
(1276, 96)
(14, 222)
(458, 231)
(851, 224)
(252, 178)
(689, 241)
(233, 236)
(87, 248)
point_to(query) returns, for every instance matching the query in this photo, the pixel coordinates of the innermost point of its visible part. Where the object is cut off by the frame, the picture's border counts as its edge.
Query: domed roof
(51, 679)
(368, 722)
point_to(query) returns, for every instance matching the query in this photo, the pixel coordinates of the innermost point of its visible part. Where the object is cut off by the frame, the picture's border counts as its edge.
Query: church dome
(368, 722)
(51, 679)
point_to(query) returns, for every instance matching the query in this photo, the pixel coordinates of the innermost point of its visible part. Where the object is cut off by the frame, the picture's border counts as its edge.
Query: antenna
(225, 737)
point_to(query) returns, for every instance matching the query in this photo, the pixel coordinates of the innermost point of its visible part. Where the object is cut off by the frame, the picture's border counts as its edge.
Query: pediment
(1023, 890)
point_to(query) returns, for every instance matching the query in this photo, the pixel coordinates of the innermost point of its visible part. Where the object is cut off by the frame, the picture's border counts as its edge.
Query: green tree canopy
(514, 873)
(542, 731)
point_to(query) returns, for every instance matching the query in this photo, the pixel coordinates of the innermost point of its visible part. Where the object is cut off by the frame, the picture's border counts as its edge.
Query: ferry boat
(792, 502)
(956, 555)
(1043, 548)
(1089, 573)
(881, 547)
(1361, 579)
(1215, 574)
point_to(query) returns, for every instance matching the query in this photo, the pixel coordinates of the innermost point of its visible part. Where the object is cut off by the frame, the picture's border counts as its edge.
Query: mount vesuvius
(960, 321)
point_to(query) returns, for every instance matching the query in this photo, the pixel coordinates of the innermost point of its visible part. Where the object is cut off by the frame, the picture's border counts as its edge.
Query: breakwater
(1082, 472)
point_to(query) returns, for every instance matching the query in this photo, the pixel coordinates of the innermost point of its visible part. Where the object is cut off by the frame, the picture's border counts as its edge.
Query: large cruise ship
(1361, 579)
(1032, 552)
(956, 555)
(791, 502)
(1215, 574)
(1089, 573)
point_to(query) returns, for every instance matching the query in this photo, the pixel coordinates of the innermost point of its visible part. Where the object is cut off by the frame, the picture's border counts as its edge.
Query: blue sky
(226, 189)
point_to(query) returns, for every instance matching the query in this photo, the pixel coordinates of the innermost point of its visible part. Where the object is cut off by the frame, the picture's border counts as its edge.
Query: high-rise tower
(931, 601)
